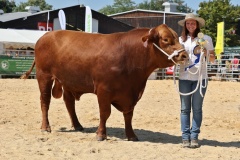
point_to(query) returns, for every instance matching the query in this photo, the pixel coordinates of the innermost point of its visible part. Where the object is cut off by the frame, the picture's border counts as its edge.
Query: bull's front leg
(128, 126)
(105, 111)
(70, 105)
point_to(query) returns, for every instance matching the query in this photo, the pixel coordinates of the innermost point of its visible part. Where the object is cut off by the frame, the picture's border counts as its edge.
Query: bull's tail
(26, 75)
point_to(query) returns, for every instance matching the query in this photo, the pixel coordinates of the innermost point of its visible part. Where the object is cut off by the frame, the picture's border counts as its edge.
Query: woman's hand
(212, 56)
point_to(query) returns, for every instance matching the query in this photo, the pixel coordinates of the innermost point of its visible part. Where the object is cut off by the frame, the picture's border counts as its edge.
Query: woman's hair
(185, 32)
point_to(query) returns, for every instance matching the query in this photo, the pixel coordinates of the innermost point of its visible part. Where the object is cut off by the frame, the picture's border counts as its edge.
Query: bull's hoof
(134, 139)
(48, 130)
(101, 138)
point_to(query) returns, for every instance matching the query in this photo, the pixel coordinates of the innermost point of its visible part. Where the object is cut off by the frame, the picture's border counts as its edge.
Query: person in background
(223, 64)
(223, 59)
(235, 64)
(188, 82)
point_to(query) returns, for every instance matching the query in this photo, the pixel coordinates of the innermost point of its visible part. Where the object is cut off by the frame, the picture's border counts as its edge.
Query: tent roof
(15, 15)
(20, 38)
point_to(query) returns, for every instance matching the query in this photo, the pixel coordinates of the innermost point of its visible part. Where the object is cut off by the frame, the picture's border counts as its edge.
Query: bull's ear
(154, 35)
(151, 37)
(145, 41)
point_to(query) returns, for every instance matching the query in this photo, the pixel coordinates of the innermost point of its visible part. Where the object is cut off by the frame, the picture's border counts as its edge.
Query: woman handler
(188, 81)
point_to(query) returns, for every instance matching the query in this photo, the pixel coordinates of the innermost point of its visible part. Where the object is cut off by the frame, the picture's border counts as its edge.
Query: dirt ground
(156, 122)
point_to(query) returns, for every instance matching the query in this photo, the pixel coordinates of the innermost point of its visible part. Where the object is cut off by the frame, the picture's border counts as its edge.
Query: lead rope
(199, 77)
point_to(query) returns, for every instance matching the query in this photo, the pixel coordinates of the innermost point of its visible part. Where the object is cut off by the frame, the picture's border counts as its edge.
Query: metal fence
(223, 70)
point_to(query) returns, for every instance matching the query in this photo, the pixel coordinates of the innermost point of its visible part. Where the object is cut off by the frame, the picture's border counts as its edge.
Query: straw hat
(191, 16)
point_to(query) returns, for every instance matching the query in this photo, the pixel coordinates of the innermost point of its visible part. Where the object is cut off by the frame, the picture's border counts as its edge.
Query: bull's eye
(165, 40)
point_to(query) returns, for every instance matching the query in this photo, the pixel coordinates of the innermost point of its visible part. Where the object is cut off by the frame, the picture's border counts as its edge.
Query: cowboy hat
(191, 16)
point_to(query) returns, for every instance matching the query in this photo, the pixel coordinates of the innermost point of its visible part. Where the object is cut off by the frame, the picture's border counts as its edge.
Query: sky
(98, 4)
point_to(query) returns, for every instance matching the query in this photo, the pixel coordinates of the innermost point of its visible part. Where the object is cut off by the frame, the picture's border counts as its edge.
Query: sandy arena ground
(156, 122)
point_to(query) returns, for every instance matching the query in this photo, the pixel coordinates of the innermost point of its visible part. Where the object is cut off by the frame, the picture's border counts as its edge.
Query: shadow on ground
(155, 137)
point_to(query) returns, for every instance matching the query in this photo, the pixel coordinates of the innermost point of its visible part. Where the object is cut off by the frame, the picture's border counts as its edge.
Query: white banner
(62, 19)
(88, 20)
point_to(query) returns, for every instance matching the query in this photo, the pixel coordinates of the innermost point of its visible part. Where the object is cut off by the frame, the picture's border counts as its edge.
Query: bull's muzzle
(181, 57)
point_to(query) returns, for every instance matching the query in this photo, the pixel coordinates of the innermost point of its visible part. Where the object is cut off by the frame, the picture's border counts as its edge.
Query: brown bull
(115, 67)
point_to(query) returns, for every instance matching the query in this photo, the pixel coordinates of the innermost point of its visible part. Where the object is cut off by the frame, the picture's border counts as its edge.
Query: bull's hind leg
(128, 126)
(69, 100)
(45, 85)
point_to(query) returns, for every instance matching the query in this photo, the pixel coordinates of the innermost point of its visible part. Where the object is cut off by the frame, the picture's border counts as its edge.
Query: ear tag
(145, 43)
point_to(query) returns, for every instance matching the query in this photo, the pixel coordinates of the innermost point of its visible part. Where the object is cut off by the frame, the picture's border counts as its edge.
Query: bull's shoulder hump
(64, 32)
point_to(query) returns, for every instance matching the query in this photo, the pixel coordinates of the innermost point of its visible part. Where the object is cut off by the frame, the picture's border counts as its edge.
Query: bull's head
(166, 40)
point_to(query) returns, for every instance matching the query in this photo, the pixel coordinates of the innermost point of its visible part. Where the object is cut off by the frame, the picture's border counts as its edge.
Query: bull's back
(65, 44)
(67, 48)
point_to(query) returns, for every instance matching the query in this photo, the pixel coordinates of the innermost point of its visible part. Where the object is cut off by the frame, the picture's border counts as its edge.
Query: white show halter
(175, 53)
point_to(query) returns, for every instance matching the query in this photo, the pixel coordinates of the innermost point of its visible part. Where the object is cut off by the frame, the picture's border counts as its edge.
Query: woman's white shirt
(191, 65)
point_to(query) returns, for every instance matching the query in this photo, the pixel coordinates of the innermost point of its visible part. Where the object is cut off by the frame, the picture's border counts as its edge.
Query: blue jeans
(194, 102)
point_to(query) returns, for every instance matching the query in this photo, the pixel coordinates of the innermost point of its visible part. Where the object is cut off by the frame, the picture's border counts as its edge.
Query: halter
(175, 53)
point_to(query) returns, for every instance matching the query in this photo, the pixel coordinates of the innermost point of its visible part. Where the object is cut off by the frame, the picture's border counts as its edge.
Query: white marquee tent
(16, 38)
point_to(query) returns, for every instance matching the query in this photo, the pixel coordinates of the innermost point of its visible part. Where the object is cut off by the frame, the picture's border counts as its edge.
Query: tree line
(126, 5)
(9, 6)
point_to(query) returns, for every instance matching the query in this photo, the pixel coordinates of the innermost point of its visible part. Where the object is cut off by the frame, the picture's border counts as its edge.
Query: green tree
(118, 6)
(107, 10)
(218, 11)
(41, 3)
(126, 5)
(7, 6)
(183, 7)
(157, 5)
(152, 5)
